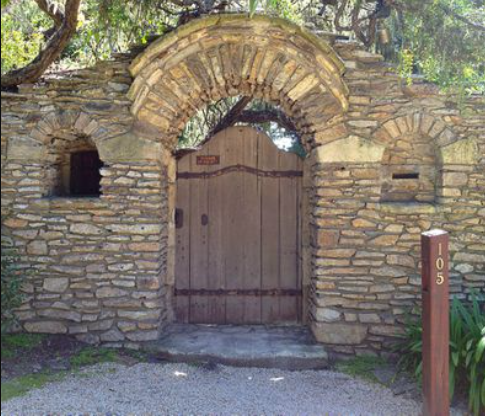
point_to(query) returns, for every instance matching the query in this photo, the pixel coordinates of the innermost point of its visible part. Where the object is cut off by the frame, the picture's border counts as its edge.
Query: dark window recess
(405, 176)
(85, 174)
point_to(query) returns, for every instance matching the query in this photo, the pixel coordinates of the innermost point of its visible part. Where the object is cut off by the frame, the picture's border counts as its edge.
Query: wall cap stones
(235, 20)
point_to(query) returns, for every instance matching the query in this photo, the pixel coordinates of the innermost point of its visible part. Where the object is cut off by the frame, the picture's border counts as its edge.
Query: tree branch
(52, 51)
(232, 116)
(446, 9)
(449, 11)
(267, 116)
(51, 10)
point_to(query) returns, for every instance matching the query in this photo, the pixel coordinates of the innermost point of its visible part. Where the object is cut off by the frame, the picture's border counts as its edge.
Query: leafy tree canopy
(444, 40)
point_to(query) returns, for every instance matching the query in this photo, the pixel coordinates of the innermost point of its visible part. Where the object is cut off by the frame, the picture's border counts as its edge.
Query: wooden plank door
(239, 232)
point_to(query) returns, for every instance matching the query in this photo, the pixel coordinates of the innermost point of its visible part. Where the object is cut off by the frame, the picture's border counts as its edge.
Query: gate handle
(204, 220)
(179, 218)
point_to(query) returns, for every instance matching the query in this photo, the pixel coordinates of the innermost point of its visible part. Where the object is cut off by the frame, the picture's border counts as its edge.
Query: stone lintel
(409, 208)
(463, 152)
(352, 149)
(129, 148)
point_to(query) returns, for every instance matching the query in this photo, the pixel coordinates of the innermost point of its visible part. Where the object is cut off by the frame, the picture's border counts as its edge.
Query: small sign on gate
(208, 160)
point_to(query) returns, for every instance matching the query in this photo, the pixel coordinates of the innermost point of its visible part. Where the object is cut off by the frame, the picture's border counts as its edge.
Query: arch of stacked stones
(104, 267)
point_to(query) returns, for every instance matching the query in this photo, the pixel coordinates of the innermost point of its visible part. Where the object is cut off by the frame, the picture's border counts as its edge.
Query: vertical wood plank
(270, 228)
(289, 245)
(182, 260)
(251, 224)
(199, 244)
(216, 273)
(233, 227)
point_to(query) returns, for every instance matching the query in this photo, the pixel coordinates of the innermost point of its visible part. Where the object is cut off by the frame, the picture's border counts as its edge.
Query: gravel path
(172, 389)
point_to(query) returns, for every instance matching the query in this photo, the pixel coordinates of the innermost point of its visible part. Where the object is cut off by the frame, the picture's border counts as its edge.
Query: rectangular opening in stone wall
(74, 169)
(405, 176)
(85, 176)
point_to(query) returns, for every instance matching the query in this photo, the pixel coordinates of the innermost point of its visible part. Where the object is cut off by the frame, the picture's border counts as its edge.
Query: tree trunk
(52, 51)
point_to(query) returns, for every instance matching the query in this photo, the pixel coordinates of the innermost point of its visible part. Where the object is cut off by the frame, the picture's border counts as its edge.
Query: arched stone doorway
(224, 56)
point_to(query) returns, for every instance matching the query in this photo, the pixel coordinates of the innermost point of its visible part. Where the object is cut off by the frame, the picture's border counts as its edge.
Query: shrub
(467, 350)
(11, 286)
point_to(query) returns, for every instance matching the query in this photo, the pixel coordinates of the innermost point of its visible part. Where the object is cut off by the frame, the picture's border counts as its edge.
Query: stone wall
(99, 263)
(104, 267)
(367, 245)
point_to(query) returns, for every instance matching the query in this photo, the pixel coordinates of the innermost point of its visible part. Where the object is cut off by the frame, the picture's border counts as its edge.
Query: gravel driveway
(173, 389)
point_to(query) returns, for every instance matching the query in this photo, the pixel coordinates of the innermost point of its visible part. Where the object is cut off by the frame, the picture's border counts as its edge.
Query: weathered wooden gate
(239, 232)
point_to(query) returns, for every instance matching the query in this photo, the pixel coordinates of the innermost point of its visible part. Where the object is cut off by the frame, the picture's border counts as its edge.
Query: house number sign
(436, 323)
(440, 266)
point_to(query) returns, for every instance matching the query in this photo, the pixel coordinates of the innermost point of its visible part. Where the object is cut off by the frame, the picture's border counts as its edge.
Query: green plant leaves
(253, 7)
(467, 349)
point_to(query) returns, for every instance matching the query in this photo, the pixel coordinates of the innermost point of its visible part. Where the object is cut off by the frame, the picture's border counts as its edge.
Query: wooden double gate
(238, 225)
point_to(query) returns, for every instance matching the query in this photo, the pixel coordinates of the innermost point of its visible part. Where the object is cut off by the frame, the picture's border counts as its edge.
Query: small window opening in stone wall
(75, 168)
(410, 170)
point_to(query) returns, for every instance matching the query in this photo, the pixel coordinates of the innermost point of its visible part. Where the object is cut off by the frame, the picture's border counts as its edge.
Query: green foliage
(112, 26)
(14, 345)
(467, 346)
(20, 386)
(362, 367)
(427, 38)
(410, 347)
(91, 356)
(22, 36)
(446, 50)
(12, 279)
(467, 351)
(105, 27)
(406, 66)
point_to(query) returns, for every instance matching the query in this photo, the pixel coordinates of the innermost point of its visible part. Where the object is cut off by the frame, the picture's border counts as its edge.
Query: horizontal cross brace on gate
(238, 292)
(241, 168)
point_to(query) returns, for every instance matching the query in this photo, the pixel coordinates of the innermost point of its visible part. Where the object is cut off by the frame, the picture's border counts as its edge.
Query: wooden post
(436, 323)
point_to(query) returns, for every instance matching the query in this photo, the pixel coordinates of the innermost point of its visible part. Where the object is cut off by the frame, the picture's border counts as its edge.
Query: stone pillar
(346, 178)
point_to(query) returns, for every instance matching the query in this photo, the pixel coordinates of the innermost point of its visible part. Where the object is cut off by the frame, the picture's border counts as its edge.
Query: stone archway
(426, 136)
(226, 56)
(223, 56)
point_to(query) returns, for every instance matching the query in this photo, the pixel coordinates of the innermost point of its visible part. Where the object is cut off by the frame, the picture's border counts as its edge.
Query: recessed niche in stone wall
(410, 170)
(73, 168)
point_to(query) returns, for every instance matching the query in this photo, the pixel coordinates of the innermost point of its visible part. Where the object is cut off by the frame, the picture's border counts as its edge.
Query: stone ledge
(410, 208)
(52, 203)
